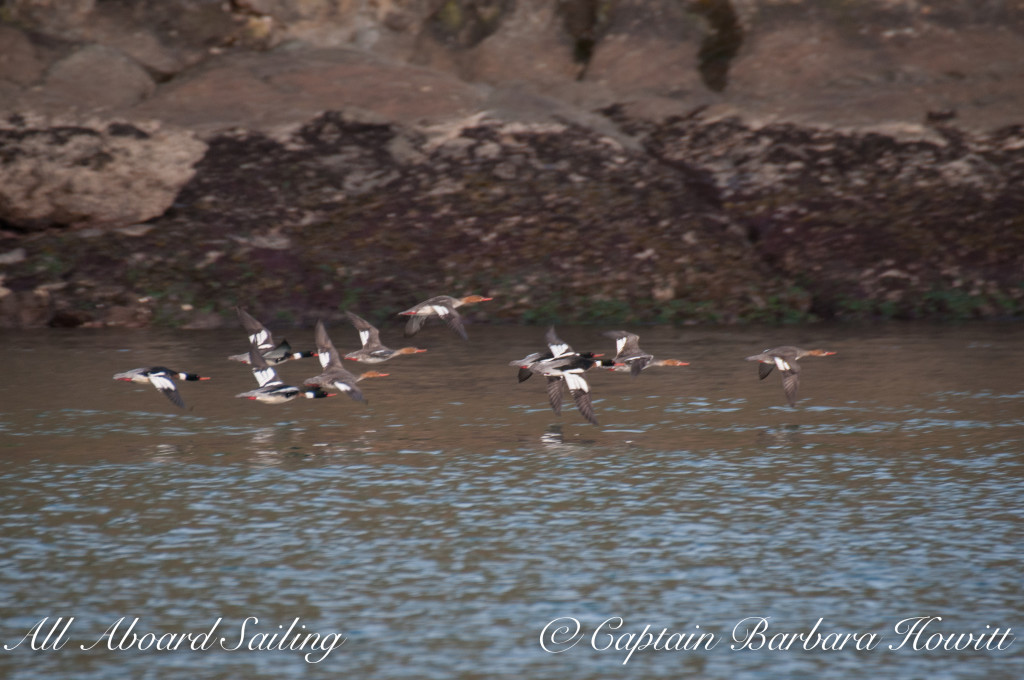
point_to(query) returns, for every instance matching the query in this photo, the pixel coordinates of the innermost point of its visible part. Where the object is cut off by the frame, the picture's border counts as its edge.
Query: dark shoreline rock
(558, 224)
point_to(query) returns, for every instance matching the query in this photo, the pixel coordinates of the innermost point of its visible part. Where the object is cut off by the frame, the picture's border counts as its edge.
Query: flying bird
(271, 389)
(335, 376)
(629, 356)
(162, 379)
(373, 352)
(785, 359)
(442, 307)
(260, 336)
(564, 367)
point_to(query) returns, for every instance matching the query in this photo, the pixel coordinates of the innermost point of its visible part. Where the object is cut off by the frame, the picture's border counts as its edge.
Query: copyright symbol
(560, 635)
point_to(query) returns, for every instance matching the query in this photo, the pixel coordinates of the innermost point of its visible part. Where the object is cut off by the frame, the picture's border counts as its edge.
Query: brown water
(444, 525)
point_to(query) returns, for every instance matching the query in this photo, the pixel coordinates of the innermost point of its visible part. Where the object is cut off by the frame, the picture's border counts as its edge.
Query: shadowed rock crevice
(721, 45)
(585, 21)
(464, 24)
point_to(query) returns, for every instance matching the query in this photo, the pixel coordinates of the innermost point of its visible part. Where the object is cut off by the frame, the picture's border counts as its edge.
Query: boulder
(153, 44)
(96, 78)
(103, 174)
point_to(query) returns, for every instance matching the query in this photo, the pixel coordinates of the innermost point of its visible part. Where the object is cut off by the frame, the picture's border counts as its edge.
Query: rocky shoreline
(156, 172)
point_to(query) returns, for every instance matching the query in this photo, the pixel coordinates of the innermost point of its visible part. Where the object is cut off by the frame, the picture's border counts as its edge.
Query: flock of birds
(561, 366)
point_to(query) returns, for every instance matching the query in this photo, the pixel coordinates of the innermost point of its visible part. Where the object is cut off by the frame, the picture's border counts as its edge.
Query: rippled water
(444, 525)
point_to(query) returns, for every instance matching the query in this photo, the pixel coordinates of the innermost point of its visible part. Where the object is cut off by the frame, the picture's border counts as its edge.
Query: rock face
(580, 160)
(264, 92)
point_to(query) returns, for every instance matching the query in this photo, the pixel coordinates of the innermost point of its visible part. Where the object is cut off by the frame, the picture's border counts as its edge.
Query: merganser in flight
(557, 348)
(627, 351)
(623, 368)
(785, 358)
(443, 307)
(373, 352)
(334, 375)
(569, 371)
(567, 367)
(629, 356)
(162, 379)
(260, 336)
(271, 390)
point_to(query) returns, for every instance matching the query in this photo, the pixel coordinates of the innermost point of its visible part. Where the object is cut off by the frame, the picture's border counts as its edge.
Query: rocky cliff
(579, 160)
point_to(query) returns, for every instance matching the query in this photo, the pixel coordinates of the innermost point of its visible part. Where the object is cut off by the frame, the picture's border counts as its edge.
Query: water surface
(443, 525)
